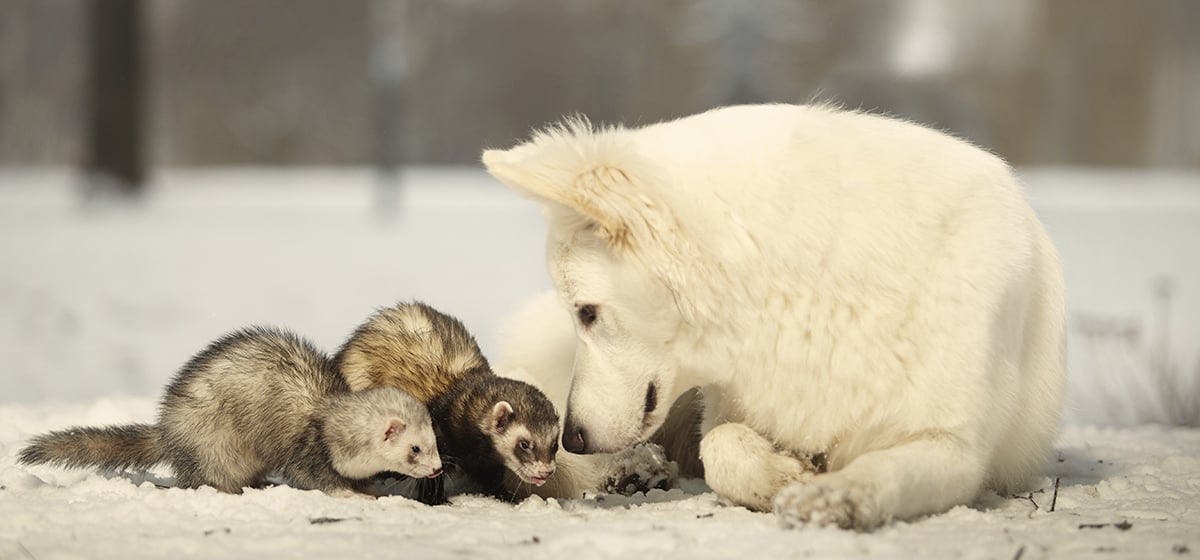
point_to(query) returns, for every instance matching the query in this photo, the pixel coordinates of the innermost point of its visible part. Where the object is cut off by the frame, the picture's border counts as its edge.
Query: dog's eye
(525, 445)
(587, 315)
(416, 450)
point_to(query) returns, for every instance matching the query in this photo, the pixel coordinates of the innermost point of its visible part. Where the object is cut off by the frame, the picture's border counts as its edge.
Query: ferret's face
(529, 455)
(527, 451)
(412, 450)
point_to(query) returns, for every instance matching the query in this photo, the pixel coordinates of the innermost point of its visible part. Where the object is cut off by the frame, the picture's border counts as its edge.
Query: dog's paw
(822, 503)
(639, 469)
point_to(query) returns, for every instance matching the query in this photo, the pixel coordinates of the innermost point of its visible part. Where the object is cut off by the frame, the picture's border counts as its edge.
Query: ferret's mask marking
(528, 455)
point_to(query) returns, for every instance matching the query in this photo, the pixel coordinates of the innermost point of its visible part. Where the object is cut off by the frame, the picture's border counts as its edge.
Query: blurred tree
(264, 82)
(115, 159)
(388, 67)
(312, 82)
(43, 53)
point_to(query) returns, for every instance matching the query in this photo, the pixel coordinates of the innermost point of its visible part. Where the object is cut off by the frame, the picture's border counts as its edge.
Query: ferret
(484, 424)
(256, 402)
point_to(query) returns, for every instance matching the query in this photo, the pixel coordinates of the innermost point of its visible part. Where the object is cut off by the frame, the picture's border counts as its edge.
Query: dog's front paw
(639, 469)
(826, 503)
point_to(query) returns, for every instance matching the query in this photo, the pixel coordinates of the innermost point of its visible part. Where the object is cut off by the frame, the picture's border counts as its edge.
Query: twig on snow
(1124, 525)
(1054, 500)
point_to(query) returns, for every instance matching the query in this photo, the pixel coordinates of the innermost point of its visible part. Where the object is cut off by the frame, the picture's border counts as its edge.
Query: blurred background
(172, 169)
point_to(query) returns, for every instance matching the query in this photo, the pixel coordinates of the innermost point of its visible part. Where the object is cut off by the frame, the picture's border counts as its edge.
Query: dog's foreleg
(745, 468)
(925, 475)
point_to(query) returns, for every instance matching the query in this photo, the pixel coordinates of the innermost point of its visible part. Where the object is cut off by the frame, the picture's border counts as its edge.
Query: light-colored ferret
(484, 423)
(257, 402)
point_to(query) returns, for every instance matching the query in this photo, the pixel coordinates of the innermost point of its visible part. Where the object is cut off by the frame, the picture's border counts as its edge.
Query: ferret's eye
(525, 445)
(587, 314)
(416, 450)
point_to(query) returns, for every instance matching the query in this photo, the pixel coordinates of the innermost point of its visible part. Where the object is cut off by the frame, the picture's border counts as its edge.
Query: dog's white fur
(835, 282)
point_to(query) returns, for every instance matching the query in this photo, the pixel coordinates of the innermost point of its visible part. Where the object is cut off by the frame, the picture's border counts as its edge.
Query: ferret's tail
(114, 447)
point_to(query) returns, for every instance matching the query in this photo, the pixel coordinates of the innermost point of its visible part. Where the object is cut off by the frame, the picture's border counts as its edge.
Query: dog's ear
(589, 174)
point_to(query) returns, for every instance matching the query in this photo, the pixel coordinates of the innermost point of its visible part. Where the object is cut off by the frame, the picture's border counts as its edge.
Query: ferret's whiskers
(513, 496)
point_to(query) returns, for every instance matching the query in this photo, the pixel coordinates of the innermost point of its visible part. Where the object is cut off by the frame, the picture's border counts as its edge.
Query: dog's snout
(575, 438)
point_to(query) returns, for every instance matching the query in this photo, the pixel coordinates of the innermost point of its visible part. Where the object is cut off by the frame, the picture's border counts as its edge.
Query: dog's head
(614, 254)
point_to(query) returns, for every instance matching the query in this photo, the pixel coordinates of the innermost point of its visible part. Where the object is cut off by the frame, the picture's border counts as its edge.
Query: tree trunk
(114, 153)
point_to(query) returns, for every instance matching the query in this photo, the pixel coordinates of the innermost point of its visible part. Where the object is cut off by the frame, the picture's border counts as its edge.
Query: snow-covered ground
(100, 304)
(1121, 494)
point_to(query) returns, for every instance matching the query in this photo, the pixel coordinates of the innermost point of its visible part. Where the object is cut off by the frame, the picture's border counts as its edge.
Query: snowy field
(100, 304)
(1131, 493)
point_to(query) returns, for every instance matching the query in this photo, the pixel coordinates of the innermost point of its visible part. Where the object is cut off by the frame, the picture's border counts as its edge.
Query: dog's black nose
(575, 439)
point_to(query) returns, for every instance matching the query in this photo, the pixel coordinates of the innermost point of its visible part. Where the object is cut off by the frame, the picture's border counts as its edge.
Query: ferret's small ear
(501, 415)
(395, 427)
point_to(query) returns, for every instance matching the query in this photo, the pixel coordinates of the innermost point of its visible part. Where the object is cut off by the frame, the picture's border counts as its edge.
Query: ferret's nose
(541, 474)
(575, 438)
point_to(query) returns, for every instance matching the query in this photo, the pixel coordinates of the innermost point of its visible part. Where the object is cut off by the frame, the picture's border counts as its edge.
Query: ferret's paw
(826, 502)
(639, 469)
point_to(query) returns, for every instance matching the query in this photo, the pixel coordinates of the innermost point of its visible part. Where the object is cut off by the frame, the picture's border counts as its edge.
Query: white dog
(872, 310)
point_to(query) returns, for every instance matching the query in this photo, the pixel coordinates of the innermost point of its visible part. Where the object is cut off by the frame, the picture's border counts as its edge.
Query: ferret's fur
(256, 402)
(485, 424)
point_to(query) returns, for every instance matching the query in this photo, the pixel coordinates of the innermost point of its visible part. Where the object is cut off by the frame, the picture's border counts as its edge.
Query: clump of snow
(641, 468)
(1122, 493)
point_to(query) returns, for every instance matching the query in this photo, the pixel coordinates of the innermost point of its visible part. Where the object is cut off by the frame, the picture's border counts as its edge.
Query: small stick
(1020, 553)
(1054, 500)
(1032, 501)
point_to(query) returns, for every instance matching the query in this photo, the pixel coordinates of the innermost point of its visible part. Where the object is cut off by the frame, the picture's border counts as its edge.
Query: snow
(645, 467)
(1148, 477)
(100, 304)
(1121, 233)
